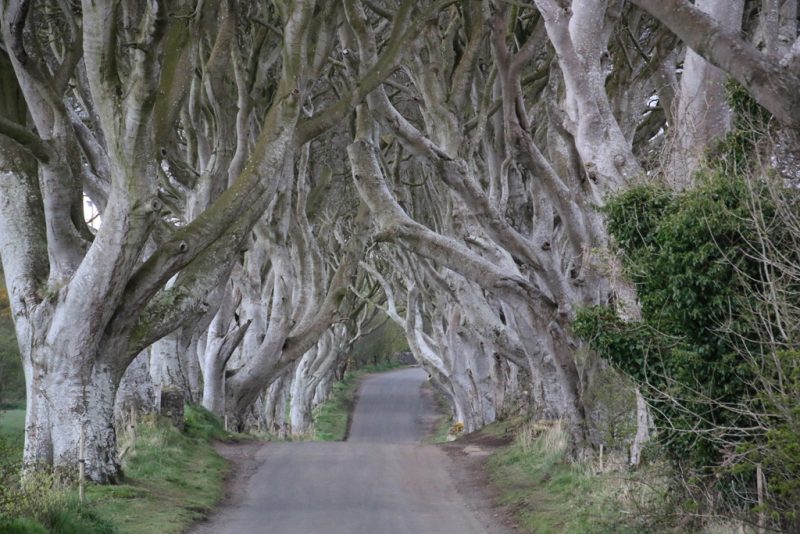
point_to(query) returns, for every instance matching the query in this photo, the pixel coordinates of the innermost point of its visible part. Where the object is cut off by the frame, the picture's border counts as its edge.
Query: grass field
(172, 478)
(12, 425)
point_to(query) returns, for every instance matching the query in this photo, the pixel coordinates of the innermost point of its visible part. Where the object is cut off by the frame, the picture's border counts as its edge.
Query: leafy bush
(710, 353)
(685, 255)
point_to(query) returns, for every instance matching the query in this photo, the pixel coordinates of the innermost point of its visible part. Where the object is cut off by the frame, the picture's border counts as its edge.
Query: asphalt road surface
(381, 481)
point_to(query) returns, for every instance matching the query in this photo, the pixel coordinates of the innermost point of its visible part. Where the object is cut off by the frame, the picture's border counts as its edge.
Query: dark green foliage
(634, 217)
(698, 353)
(780, 449)
(736, 151)
(685, 253)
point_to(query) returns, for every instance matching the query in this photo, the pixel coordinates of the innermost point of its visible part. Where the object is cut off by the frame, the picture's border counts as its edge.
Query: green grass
(442, 427)
(63, 515)
(12, 425)
(332, 417)
(549, 495)
(37, 506)
(172, 478)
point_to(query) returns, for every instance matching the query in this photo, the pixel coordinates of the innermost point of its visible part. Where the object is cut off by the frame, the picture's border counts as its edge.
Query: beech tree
(268, 174)
(527, 145)
(112, 107)
(104, 94)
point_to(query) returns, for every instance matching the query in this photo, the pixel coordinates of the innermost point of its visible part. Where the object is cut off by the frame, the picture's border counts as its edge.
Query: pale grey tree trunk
(276, 400)
(214, 383)
(166, 366)
(643, 425)
(301, 394)
(223, 337)
(315, 365)
(703, 114)
(58, 406)
(135, 389)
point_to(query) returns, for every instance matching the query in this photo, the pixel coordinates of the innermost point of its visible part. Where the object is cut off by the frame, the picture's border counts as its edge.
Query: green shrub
(714, 267)
(686, 254)
(21, 525)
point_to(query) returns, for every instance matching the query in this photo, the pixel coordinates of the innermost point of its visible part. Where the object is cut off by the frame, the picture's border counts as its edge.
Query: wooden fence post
(81, 463)
(762, 520)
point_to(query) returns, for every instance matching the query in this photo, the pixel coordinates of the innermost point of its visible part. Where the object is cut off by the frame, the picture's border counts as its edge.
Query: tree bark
(703, 114)
(773, 85)
(58, 406)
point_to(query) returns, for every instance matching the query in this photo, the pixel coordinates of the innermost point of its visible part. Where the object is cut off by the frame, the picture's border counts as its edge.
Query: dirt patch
(469, 456)
(242, 456)
(481, 439)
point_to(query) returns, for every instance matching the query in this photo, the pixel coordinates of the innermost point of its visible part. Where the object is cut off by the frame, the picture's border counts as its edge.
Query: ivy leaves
(688, 255)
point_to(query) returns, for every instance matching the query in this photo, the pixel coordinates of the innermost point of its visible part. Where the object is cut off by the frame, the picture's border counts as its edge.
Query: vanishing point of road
(383, 480)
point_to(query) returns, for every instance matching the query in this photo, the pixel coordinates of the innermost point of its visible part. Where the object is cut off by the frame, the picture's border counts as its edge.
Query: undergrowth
(38, 504)
(172, 478)
(546, 494)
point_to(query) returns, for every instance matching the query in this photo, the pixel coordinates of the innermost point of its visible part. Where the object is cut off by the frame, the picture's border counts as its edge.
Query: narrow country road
(381, 481)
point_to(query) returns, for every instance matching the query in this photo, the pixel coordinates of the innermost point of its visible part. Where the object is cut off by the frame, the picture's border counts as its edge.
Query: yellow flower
(457, 428)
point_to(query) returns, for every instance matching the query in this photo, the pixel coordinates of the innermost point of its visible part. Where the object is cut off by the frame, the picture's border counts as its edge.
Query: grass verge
(332, 417)
(172, 478)
(548, 495)
(441, 429)
(37, 505)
